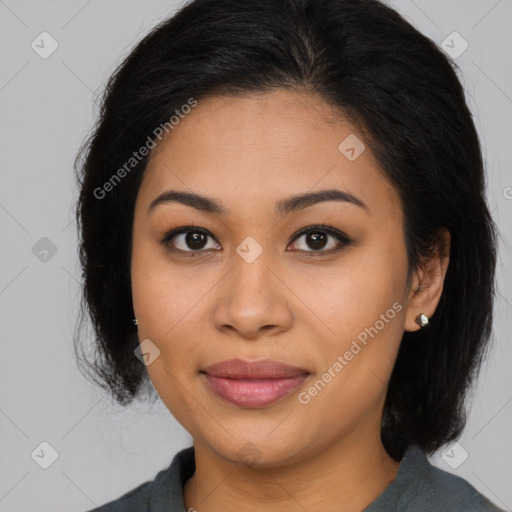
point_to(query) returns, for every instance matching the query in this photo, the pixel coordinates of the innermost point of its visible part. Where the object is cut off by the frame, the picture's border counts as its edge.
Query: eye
(191, 240)
(317, 237)
(187, 239)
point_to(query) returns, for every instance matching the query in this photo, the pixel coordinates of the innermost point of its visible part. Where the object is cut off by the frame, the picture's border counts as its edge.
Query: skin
(248, 152)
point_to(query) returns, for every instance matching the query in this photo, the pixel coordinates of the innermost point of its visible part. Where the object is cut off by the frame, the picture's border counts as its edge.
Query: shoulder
(163, 493)
(447, 491)
(136, 500)
(428, 488)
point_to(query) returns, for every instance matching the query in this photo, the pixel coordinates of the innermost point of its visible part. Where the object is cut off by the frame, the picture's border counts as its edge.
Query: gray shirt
(418, 487)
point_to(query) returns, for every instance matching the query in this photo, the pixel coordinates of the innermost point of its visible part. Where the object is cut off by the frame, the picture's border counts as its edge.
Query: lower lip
(254, 393)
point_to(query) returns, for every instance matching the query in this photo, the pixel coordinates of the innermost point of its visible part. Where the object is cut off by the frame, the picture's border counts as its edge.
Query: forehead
(256, 148)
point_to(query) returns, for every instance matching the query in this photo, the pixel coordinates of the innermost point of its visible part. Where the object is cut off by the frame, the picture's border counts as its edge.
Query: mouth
(253, 384)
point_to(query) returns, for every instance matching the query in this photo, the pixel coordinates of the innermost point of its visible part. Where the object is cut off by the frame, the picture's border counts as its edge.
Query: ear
(427, 282)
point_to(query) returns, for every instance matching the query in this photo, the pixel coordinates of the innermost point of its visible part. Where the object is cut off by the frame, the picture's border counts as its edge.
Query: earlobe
(427, 284)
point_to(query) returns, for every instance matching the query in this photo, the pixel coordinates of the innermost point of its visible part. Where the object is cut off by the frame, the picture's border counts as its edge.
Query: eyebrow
(282, 207)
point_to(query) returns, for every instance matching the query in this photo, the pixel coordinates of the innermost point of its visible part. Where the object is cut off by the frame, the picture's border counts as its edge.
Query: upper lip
(263, 369)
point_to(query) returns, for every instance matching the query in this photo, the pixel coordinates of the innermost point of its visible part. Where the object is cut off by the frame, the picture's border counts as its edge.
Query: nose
(252, 300)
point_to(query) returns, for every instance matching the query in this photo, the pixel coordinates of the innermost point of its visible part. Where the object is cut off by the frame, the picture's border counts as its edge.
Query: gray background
(47, 108)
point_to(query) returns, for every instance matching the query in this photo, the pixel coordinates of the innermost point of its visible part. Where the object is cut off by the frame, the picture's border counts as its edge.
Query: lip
(253, 384)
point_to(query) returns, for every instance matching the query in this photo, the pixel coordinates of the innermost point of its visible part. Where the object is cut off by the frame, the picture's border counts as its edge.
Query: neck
(348, 475)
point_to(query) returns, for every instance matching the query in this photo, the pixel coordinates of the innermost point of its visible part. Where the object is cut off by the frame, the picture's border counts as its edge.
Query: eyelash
(341, 237)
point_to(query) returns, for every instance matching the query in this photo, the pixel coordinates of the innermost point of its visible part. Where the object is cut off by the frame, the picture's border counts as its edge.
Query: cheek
(361, 301)
(354, 294)
(162, 292)
(170, 302)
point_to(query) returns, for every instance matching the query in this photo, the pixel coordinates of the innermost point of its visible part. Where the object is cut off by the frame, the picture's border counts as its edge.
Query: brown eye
(195, 240)
(318, 241)
(188, 240)
(321, 240)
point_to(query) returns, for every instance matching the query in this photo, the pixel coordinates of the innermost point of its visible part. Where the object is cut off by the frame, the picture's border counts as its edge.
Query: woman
(284, 231)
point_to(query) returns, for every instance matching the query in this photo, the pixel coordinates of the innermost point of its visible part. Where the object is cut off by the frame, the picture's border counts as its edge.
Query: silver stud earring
(135, 321)
(422, 320)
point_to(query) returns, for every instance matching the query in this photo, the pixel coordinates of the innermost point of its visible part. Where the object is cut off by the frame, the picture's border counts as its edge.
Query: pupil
(194, 241)
(316, 239)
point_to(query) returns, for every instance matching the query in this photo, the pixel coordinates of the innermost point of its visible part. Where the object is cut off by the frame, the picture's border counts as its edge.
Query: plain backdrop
(47, 108)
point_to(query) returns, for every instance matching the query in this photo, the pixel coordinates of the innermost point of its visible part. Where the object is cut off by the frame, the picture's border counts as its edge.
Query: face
(243, 282)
